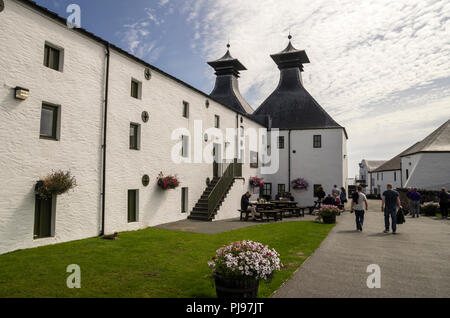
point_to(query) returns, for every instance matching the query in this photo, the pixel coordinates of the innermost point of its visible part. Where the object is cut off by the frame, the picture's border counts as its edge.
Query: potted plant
(56, 183)
(256, 182)
(300, 184)
(239, 267)
(328, 213)
(167, 182)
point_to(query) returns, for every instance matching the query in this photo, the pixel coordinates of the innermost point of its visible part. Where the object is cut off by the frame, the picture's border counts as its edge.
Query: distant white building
(365, 178)
(70, 100)
(426, 165)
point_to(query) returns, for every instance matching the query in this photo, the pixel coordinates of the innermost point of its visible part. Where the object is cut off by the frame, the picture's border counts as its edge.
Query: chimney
(226, 89)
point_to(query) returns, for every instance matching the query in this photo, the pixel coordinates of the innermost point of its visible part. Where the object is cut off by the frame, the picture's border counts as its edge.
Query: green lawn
(149, 263)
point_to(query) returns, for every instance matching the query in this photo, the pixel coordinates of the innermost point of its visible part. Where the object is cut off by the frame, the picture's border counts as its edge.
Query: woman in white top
(358, 204)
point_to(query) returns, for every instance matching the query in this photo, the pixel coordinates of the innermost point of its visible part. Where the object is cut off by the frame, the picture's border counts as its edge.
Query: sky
(379, 68)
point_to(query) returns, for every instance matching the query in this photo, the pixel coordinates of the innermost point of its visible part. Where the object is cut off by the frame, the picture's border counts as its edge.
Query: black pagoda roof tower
(290, 106)
(226, 89)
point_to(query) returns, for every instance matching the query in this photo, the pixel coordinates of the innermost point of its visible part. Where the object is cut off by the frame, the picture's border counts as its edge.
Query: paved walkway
(221, 226)
(414, 263)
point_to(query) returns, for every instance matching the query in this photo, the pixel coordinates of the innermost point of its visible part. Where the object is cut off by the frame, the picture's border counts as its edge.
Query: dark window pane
(281, 142)
(51, 57)
(186, 110)
(49, 118)
(217, 121)
(134, 89)
(318, 141)
(281, 188)
(132, 206)
(184, 200)
(134, 135)
(43, 218)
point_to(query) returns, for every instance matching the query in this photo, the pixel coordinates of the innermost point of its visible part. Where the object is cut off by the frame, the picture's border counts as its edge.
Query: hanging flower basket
(238, 268)
(56, 183)
(256, 182)
(300, 184)
(167, 182)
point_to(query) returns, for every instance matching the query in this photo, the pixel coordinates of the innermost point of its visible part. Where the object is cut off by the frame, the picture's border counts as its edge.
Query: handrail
(234, 170)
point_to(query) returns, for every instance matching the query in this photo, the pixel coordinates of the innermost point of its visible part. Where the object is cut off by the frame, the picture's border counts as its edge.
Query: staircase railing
(234, 170)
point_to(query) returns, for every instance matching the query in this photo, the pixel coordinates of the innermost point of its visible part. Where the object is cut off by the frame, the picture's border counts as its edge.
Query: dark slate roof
(59, 19)
(227, 61)
(437, 141)
(393, 164)
(291, 106)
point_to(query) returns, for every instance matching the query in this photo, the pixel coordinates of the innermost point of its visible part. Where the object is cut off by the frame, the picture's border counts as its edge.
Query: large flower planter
(236, 288)
(329, 219)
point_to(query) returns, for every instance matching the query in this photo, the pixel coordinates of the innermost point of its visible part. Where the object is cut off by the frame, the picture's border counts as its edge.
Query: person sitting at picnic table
(290, 197)
(247, 206)
(329, 200)
(337, 201)
(278, 196)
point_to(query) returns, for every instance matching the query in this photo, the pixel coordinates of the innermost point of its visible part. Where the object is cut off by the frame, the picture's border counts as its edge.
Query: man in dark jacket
(247, 206)
(415, 197)
(444, 200)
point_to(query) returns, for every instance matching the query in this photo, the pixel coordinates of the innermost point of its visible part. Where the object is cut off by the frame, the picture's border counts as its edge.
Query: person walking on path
(408, 195)
(415, 197)
(390, 204)
(444, 200)
(358, 204)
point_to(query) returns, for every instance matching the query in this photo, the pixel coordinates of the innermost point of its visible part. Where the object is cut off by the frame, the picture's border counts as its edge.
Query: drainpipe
(105, 123)
(289, 176)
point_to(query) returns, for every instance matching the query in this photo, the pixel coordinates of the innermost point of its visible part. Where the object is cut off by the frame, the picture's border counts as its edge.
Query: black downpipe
(289, 176)
(105, 123)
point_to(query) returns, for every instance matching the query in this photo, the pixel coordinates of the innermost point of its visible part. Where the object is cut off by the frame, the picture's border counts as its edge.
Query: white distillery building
(365, 178)
(71, 101)
(424, 165)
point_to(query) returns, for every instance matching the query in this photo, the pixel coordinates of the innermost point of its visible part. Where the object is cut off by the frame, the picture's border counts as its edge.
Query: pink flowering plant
(245, 260)
(167, 182)
(300, 184)
(328, 211)
(256, 182)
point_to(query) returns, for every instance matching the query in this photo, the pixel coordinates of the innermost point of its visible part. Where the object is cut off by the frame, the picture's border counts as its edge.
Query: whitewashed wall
(385, 178)
(430, 171)
(325, 166)
(24, 157)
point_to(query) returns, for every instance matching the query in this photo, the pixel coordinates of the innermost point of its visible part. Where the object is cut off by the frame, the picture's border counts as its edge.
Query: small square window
(281, 188)
(267, 190)
(49, 121)
(185, 109)
(53, 57)
(281, 142)
(133, 204)
(317, 141)
(217, 121)
(135, 138)
(136, 88)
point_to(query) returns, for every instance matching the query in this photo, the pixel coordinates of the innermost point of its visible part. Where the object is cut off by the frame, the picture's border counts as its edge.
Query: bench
(295, 211)
(268, 214)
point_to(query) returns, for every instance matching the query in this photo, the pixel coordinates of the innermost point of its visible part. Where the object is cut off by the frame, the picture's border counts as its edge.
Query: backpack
(355, 197)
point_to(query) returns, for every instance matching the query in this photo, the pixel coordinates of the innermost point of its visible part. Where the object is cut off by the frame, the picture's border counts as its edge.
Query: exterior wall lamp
(22, 93)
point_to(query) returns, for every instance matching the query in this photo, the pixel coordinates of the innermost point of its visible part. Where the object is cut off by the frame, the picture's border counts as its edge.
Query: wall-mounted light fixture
(22, 93)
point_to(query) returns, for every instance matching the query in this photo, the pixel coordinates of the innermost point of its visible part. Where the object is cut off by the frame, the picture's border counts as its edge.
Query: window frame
(37, 235)
(55, 121)
(281, 188)
(281, 144)
(186, 109)
(138, 84)
(264, 189)
(137, 132)
(317, 141)
(217, 121)
(48, 50)
(254, 165)
(136, 206)
(184, 200)
(185, 146)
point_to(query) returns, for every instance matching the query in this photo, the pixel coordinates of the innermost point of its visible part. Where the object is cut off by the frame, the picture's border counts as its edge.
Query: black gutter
(105, 124)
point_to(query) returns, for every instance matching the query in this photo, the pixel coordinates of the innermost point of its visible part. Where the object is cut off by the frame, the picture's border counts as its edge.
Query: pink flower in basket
(300, 184)
(256, 182)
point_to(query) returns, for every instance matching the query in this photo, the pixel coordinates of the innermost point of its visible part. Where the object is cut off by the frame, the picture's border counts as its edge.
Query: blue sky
(379, 68)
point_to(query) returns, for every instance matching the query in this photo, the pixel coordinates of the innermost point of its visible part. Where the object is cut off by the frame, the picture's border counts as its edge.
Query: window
(281, 142)
(316, 189)
(185, 110)
(184, 200)
(378, 176)
(253, 159)
(53, 57)
(136, 88)
(217, 121)
(382, 176)
(43, 218)
(185, 146)
(49, 121)
(267, 189)
(395, 176)
(407, 174)
(133, 203)
(317, 141)
(135, 131)
(281, 188)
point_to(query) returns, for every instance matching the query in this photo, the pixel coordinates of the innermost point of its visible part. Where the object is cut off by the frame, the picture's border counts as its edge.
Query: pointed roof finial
(290, 36)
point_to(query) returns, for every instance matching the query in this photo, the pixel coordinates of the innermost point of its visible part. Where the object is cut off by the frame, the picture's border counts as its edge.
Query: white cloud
(367, 60)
